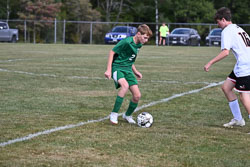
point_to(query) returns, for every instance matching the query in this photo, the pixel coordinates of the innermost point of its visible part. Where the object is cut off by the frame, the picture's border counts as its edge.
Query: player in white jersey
(236, 39)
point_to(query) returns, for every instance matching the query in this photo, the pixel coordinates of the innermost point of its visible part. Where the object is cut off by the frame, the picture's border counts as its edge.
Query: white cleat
(113, 118)
(235, 122)
(129, 119)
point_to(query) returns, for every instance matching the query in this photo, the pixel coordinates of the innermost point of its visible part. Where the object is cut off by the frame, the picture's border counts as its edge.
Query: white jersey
(235, 38)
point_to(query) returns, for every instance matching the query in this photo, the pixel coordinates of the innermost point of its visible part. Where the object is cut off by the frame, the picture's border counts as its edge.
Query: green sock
(132, 106)
(118, 103)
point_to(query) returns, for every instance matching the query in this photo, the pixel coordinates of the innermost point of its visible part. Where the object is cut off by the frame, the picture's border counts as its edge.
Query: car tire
(13, 39)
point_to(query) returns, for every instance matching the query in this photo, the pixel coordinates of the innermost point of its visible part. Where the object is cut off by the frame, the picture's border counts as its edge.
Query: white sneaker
(113, 118)
(235, 122)
(129, 119)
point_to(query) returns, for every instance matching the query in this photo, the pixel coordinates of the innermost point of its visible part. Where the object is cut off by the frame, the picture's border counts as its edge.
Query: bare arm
(137, 73)
(109, 64)
(224, 53)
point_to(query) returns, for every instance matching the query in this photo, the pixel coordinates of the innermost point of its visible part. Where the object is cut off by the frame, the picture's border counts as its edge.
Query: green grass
(47, 86)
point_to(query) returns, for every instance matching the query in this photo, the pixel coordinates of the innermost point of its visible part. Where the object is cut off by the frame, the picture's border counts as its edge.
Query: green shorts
(128, 75)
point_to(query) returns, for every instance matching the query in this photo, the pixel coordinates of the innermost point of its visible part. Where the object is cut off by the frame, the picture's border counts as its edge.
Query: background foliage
(131, 11)
(170, 11)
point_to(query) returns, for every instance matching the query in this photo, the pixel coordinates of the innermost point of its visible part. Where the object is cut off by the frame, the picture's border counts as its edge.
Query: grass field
(43, 87)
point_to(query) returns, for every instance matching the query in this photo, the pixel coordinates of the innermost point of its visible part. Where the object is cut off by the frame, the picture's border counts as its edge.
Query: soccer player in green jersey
(121, 69)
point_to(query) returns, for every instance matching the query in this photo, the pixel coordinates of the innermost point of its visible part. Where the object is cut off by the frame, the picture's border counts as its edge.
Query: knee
(137, 97)
(225, 89)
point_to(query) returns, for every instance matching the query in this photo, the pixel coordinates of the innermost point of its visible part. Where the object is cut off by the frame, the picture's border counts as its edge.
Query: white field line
(48, 75)
(30, 136)
(175, 82)
(178, 95)
(12, 60)
(99, 78)
(27, 73)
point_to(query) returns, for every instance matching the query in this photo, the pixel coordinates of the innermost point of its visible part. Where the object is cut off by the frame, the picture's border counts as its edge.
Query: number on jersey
(245, 38)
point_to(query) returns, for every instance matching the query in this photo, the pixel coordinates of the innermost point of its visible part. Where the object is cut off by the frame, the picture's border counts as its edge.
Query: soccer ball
(145, 120)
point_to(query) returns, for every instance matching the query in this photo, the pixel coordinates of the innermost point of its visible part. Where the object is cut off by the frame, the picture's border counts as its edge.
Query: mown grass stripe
(30, 136)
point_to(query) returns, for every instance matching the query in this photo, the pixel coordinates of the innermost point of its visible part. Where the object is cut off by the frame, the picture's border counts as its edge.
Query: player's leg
(243, 86)
(133, 103)
(245, 99)
(160, 40)
(135, 99)
(136, 93)
(164, 41)
(121, 93)
(227, 88)
(120, 82)
(124, 87)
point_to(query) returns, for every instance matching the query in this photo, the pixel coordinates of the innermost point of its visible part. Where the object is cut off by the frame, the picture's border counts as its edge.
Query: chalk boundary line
(30, 136)
(98, 78)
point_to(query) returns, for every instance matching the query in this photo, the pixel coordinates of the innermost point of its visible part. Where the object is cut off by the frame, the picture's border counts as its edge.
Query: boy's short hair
(223, 13)
(144, 29)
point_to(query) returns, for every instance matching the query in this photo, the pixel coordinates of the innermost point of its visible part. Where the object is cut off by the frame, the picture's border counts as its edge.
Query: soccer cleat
(114, 118)
(129, 119)
(234, 122)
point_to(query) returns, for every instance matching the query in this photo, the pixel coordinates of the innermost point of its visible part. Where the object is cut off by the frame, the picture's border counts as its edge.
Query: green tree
(143, 11)
(42, 13)
(239, 9)
(111, 10)
(80, 10)
(192, 11)
(9, 9)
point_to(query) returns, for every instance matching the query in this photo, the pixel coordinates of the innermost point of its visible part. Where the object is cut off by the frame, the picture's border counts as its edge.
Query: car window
(181, 31)
(3, 26)
(134, 30)
(192, 32)
(120, 29)
(216, 32)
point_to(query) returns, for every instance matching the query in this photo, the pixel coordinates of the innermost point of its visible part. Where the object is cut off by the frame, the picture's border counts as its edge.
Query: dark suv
(184, 36)
(118, 33)
(214, 37)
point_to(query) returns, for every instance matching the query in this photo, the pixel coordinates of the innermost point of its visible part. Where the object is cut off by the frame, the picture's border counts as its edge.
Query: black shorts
(242, 84)
(163, 37)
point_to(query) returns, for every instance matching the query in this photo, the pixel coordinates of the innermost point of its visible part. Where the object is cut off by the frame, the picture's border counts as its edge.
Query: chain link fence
(88, 32)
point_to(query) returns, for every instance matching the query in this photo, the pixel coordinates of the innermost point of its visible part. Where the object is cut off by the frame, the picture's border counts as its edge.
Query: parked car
(214, 37)
(184, 36)
(118, 33)
(7, 34)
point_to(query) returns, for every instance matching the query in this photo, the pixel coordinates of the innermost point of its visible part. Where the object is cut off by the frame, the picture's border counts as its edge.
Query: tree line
(170, 11)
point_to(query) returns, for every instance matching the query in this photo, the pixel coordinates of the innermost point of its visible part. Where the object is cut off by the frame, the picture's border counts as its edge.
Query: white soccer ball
(145, 120)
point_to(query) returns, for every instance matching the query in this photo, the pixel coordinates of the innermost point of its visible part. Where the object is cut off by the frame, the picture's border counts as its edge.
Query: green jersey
(125, 54)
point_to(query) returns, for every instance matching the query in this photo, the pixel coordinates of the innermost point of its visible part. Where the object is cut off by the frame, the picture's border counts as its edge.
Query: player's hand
(138, 75)
(107, 74)
(207, 67)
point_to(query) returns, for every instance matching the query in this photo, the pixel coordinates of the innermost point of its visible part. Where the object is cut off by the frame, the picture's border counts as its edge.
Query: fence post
(55, 32)
(64, 26)
(168, 34)
(34, 33)
(156, 20)
(25, 28)
(209, 43)
(90, 38)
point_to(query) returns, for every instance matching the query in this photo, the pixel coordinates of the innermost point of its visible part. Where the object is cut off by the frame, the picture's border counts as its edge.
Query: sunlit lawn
(47, 86)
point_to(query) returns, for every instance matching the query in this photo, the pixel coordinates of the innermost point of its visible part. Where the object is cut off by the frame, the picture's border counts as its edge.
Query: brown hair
(223, 13)
(144, 29)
